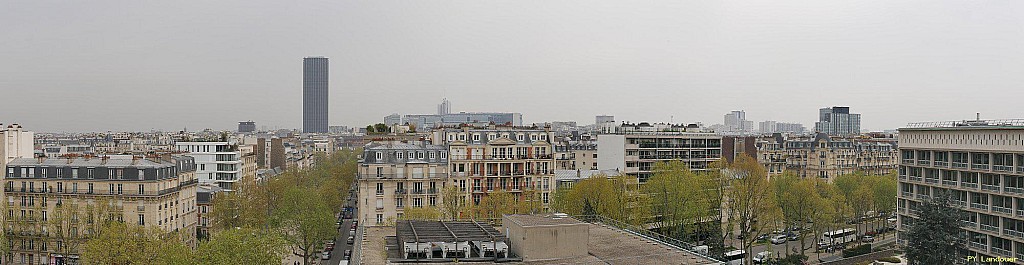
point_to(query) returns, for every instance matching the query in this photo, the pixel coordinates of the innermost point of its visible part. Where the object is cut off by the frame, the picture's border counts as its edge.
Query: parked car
(326, 255)
(763, 238)
(793, 236)
(867, 239)
(351, 240)
(762, 257)
(779, 239)
(348, 254)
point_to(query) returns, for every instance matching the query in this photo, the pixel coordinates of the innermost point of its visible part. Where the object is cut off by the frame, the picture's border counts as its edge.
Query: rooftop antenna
(978, 116)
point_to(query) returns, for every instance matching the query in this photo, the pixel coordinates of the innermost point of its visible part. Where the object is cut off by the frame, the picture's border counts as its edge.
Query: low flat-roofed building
(546, 237)
(606, 244)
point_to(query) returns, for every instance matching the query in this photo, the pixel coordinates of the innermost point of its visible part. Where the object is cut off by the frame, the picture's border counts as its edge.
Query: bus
(735, 257)
(837, 237)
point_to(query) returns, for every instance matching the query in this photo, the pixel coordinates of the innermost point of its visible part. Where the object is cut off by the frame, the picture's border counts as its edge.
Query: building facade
(825, 157)
(837, 121)
(246, 126)
(635, 153)
(314, 94)
(395, 175)
(516, 160)
(981, 165)
(219, 163)
(43, 192)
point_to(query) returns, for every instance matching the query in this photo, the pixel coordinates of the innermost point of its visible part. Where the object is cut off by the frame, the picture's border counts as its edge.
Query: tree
(421, 213)
(752, 207)
(885, 188)
(453, 202)
(934, 237)
(119, 243)
(674, 192)
(305, 221)
(495, 205)
(241, 246)
(617, 198)
(799, 200)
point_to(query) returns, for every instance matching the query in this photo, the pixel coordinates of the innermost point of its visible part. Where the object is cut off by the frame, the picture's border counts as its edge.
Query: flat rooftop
(608, 245)
(436, 231)
(525, 220)
(966, 125)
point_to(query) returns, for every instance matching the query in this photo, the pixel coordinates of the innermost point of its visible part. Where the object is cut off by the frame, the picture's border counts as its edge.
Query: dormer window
(520, 137)
(491, 137)
(398, 155)
(476, 137)
(379, 156)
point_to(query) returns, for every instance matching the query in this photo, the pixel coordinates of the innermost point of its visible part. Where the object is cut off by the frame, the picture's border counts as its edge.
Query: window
(444, 155)
(419, 155)
(142, 189)
(379, 156)
(399, 155)
(431, 155)
(520, 137)
(432, 201)
(476, 137)
(380, 218)
(380, 188)
(380, 204)
(90, 188)
(142, 219)
(120, 188)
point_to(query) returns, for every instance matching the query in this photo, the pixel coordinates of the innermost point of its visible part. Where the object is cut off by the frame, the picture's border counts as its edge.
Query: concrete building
(826, 157)
(537, 237)
(277, 154)
(837, 121)
(314, 94)
(246, 126)
(736, 146)
(635, 152)
(513, 159)
(15, 143)
(155, 192)
(572, 155)
(736, 123)
(981, 165)
(767, 127)
(395, 175)
(219, 163)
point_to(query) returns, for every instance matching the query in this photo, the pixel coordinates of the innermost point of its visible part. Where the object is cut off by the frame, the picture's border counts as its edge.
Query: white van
(762, 257)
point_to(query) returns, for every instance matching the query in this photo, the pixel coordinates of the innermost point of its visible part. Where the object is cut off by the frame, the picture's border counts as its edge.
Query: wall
(548, 241)
(611, 152)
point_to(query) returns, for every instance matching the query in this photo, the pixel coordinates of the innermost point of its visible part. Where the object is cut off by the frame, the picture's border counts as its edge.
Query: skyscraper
(837, 121)
(445, 107)
(314, 94)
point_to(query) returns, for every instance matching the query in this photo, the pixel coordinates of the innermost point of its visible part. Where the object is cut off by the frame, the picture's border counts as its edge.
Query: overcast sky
(140, 65)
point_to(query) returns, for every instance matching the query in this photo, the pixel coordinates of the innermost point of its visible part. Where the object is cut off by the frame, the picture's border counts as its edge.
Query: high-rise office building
(837, 121)
(980, 165)
(736, 122)
(445, 107)
(246, 126)
(314, 94)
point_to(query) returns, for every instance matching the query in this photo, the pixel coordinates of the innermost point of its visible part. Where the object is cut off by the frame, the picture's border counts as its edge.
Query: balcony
(949, 183)
(924, 162)
(903, 177)
(980, 166)
(1020, 169)
(941, 164)
(1015, 233)
(1020, 212)
(400, 192)
(1001, 252)
(972, 185)
(979, 206)
(990, 228)
(1013, 190)
(1003, 169)
(931, 180)
(922, 197)
(961, 204)
(959, 165)
(990, 187)
(907, 194)
(1002, 210)
(915, 178)
(978, 246)
(908, 161)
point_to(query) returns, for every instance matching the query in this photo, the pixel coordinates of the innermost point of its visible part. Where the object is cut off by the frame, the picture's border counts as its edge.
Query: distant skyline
(135, 66)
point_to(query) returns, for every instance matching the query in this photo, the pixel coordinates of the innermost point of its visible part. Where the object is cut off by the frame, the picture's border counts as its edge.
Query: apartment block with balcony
(158, 192)
(395, 175)
(981, 165)
(518, 160)
(825, 156)
(220, 163)
(635, 153)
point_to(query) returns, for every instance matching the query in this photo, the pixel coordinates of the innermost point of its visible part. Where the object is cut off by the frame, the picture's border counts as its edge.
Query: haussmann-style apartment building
(394, 175)
(981, 165)
(517, 160)
(158, 192)
(826, 157)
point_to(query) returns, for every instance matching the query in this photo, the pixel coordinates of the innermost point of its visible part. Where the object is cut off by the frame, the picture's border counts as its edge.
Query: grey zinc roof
(113, 162)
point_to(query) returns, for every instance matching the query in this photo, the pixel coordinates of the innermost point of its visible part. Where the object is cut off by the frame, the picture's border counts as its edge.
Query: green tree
(675, 197)
(305, 221)
(119, 243)
(421, 213)
(753, 209)
(453, 202)
(934, 237)
(241, 246)
(496, 204)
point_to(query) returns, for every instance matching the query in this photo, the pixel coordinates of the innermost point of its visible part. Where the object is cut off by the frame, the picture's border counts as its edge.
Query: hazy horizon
(136, 66)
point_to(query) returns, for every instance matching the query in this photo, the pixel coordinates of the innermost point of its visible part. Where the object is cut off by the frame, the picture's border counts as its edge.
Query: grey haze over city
(165, 65)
